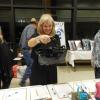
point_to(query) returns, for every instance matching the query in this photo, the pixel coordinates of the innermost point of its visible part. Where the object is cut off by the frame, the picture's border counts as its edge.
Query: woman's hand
(39, 39)
(44, 39)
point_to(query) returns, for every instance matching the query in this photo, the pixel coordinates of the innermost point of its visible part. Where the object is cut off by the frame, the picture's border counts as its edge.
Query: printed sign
(60, 30)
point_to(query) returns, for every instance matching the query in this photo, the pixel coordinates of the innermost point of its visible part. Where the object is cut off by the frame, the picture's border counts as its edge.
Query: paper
(63, 90)
(15, 94)
(60, 91)
(89, 84)
(2, 92)
(39, 92)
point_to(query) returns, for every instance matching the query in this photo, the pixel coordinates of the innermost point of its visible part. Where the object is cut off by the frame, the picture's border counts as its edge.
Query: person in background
(6, 63)
(95, 61)
(27, 33)
(43, 74)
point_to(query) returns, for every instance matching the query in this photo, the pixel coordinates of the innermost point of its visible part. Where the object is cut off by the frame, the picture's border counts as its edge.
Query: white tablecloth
(77, 55)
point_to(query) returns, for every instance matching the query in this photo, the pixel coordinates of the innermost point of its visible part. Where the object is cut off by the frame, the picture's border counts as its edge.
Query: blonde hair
(45, 18)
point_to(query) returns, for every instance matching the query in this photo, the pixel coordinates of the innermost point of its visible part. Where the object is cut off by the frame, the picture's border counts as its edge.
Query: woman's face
(47, 28)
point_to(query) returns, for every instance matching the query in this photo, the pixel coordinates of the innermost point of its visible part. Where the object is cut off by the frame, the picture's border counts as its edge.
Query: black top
(42, 74)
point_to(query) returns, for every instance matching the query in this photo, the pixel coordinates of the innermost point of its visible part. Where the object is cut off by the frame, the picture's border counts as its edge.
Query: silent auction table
(49, 92)
(73, 56)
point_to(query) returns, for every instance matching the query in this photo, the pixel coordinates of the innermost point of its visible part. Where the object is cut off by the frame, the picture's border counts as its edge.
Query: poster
(60, 30)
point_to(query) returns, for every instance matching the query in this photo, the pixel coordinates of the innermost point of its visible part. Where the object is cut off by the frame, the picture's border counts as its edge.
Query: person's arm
(34, 41)
(44, 39)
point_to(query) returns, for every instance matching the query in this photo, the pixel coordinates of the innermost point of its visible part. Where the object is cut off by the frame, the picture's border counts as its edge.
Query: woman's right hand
(44, 39)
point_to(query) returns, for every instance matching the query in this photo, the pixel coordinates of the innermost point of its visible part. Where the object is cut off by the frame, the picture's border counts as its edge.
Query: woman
(43, 74)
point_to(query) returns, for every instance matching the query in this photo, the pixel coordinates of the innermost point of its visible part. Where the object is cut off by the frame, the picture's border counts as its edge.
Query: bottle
(82, 95)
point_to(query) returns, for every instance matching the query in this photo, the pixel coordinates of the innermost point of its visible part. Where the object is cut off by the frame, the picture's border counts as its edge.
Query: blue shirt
(27, 33)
